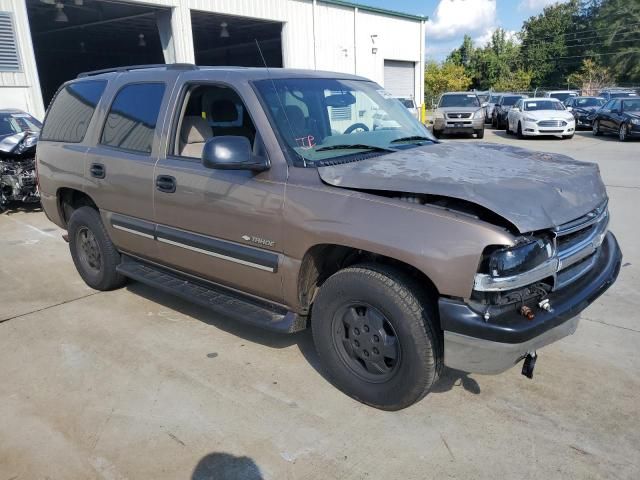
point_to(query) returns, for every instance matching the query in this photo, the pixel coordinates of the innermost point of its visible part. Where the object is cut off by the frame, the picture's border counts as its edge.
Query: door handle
(97, 170)
(166, 183)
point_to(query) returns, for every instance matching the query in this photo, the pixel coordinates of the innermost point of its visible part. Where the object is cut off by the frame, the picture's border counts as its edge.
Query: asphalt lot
(133, 384)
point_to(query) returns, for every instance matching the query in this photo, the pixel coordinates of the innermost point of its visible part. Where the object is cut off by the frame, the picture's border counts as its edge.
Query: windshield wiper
(355, 146)
(414, 138)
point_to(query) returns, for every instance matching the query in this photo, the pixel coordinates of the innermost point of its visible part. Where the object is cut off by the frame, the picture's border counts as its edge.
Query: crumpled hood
(532, 190)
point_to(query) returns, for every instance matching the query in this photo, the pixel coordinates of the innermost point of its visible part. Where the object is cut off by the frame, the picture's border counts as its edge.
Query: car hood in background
(532, 190)
(549, 114)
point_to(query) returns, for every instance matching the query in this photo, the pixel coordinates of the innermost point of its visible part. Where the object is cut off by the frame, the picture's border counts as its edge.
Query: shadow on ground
(19, 207)
(224, 466)
(449, 379)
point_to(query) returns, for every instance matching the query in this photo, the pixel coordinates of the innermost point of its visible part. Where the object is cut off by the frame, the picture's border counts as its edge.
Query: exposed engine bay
(19, 134)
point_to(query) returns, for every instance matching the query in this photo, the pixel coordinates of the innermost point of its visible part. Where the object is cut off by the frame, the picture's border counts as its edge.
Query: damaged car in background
(19, 133)
(269, 196)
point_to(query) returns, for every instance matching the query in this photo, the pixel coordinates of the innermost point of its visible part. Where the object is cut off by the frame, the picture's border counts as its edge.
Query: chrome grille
(458, 115)
(552, 123)
(577, 241)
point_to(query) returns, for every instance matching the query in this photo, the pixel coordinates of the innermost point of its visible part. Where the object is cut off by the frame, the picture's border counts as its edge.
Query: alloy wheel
(623, 132)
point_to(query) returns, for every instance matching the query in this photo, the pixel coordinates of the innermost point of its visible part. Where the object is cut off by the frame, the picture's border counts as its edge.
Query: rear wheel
(623, 133)
(595, 128)
(376, 338)
(93, 253)
(507, 129)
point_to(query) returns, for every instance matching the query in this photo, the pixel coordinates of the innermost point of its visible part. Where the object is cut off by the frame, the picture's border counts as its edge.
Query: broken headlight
(520, 258)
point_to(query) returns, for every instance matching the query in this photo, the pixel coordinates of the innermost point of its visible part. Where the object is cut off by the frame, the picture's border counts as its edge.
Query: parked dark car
(620, 116)
(508, 100)
(610, 93)
(583, 109)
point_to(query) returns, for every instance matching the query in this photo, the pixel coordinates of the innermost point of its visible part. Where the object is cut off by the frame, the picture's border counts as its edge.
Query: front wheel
(479, 133)
(375, 335)
(519, 132)
(595, 128)
(623, 133)
(437, 133)
(93, 253)
(507, 129)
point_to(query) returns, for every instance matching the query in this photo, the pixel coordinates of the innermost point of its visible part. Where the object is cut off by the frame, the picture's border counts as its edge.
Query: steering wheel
(356, 126)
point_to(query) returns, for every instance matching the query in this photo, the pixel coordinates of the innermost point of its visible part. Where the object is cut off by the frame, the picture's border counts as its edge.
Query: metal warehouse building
(46, 42)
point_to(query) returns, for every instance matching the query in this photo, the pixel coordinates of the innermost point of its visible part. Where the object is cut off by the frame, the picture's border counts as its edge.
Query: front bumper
(472, 344)
(583, 121)
(455, 125)
(532, 129)
(633, 130)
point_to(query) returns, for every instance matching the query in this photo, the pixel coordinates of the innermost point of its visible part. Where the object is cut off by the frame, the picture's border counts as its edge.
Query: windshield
(543, 105)
(322, 119)
(510, 100)
(12, 123)
(631, 105)
(459, 100)
(562, 96)
(588, 102)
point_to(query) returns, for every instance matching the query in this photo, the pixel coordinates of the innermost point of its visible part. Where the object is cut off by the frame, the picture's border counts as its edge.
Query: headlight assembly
(520, 258)
(530, 119)
(438, 115)
(635, 121)
(479, 114)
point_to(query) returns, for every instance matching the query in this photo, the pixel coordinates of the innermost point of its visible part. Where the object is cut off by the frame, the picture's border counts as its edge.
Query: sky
(449, 20)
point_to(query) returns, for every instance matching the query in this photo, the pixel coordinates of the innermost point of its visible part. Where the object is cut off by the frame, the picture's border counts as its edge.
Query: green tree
(445, 77)
(618, 26)
(552, 43)
(591, 78)
(517, 81)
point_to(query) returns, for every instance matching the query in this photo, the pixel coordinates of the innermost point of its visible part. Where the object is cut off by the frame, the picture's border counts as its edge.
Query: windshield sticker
(531, 104)
(384, 94)
(306, 143)
(471, 96)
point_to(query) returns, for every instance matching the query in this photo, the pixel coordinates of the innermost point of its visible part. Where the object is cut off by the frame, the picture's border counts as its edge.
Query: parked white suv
(540, 116)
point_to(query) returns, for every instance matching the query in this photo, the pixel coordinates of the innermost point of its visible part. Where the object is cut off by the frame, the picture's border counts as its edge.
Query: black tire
(509, 132)
(494, 124)
(479, 133)
(93, 253)
(595, 128)
(437, 133)
(408, 317)
(519, 131)
(623, 132)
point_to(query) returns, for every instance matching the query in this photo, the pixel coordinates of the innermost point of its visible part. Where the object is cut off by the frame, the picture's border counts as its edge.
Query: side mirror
(484, 104)
(515, 109)
(570, 108)
(232, 153)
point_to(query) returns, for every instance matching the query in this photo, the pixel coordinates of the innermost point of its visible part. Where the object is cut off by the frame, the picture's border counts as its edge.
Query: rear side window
(69, 116)
(133, 116)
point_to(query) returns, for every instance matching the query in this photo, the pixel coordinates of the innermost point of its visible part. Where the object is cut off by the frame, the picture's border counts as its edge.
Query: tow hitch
(529, 364)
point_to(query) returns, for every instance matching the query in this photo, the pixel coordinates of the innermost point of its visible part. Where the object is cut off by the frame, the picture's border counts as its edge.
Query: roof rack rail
(168, 66)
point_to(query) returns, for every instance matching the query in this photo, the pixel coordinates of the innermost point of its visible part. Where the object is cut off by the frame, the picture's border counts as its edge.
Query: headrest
(224, 111)
(294, 115)
(195, 130)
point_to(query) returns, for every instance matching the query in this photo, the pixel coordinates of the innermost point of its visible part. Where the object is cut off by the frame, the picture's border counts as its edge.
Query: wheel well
(70, 200)
(322, 261)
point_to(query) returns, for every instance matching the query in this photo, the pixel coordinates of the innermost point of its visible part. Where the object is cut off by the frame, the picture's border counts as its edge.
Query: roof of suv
(250, 73)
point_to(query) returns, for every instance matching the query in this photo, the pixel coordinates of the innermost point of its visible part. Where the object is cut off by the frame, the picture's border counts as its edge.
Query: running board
(216, 299)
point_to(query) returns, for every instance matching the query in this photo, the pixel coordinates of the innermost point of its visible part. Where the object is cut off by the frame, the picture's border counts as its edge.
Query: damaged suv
(268, 196)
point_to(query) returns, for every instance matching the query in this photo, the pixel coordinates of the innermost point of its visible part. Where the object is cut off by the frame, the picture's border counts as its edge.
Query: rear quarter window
(70, 113)
(132, 118)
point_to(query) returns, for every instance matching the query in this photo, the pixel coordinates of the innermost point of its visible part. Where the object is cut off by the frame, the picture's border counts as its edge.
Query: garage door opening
(230, 40)
(399, 78)
(73, 36)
